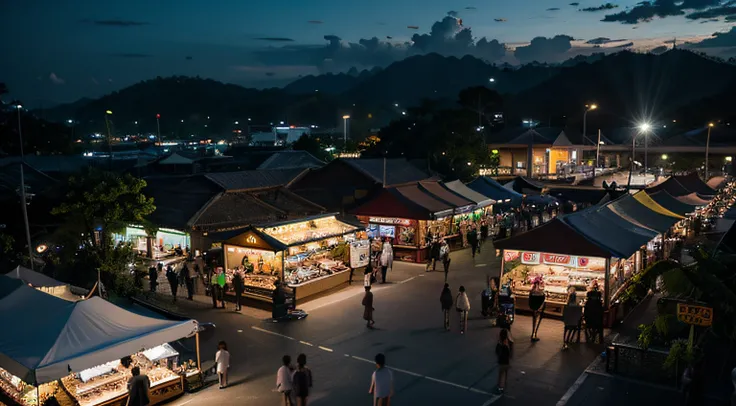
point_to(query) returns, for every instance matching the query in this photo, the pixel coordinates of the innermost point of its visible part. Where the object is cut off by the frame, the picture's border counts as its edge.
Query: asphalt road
(431, 366)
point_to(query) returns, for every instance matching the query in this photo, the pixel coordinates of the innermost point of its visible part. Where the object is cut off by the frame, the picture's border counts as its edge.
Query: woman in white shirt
(283, 380)
(222, 359)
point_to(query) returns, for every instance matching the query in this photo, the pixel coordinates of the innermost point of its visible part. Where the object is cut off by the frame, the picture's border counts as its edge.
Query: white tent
(48, 284)
(45, 338)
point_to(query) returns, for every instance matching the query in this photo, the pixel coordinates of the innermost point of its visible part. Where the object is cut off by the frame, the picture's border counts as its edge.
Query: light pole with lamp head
(588, 108)
(707, 149)
(23, 190)
(345, 119)
(643, 128)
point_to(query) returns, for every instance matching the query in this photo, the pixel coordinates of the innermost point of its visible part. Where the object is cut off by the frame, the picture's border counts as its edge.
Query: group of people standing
(294, 382)
(186, 276)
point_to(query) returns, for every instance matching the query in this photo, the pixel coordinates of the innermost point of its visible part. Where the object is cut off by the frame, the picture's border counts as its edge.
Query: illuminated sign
(530, 258)
(389, 220)
(553, 259)
(695, 315)
(251, 240)
(510, 255)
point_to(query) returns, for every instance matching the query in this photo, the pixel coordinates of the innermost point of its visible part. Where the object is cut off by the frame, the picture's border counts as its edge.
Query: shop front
(309, 255)
(85, 350)
(166, 242)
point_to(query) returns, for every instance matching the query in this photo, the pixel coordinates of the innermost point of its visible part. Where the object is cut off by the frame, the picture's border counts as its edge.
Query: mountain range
(628, 86)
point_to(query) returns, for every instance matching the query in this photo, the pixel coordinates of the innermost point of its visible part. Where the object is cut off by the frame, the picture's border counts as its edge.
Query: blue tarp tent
(628, 206)
(51, 337)
(672, 204)
(494, 190)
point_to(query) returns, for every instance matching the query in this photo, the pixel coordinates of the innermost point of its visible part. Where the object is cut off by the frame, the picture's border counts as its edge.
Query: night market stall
(47, 284)
(82, 352)
(310, 255)
(483, 205)
(671, 203)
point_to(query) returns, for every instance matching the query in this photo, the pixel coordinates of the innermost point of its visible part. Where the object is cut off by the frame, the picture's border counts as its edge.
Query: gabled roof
(291, 160)
(398, 170)
(671, 186)
(693, 183)
(257, 179)
(176, 159)
(524, 185)
(470, 194)
(671, 203)
(555, 237)
(436, 190)
(489, 187)
(694, 199)
(179, 198)
(621, 237)
(562, 141)
(650, 215)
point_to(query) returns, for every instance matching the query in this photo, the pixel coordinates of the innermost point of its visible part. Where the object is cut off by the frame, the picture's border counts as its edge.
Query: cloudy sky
(61, 50)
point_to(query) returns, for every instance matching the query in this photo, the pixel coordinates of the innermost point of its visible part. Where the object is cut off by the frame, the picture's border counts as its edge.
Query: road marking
(306, 343)
(362, 359)
(571, 391)
(240, 331)
(407, 280)
(182, 404)
(325, 348)
(480, 265)
(492, 400)
(406, 372)
(263, 330)
(445, 382)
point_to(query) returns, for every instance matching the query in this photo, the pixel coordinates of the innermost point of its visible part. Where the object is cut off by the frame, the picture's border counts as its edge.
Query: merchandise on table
(23, 393)
(98, 385)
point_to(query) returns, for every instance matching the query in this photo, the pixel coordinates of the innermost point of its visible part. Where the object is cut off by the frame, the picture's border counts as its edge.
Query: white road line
(182, 404)
(482, 392)
(480, 265)
(571, 391)
(406, 372)
(325, 348)
(407, 280)
(263, 330)
(445, 382)
(492, 400)
(306, 343)
(363, 359)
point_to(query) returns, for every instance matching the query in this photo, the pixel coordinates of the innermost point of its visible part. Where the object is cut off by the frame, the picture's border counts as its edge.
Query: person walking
(434, 255)
(446, 303)
(173, 281)
(382, 383)
(369, 276)
(503, 354)
(571, 316)
(536, 304)
(153, 278)
(188, 281)
(284, 384)
(301, 380)
(221, 287)
(387, 259)
(473, 240)
(483, 231)
(368, 307)
(222, 359)
(445, 256)
(239, 287)
(462, 304)
(138, 388)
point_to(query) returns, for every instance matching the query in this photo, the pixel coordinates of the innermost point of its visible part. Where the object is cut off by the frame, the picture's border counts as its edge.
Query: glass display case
(22, 393)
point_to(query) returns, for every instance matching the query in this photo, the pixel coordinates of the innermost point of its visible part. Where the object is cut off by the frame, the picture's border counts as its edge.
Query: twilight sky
(59, 51)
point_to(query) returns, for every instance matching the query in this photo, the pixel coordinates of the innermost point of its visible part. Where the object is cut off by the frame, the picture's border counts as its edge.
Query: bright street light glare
(729, 159)
(492, 80)
(108, 112)
(664, 157)
(711, 125)
(593, 106)
(645, 127)
(345, 117)
(20, 106)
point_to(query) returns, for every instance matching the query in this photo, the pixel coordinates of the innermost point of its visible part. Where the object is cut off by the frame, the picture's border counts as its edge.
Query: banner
(530, 258)
(554, 259)
(359, 253)
(510, 255)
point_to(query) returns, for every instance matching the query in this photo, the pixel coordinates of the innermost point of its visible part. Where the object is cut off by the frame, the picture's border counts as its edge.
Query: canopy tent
(622, 237)
(671, 186)
(524, 186)
(436, 190)
(671, 203)
(468, 193)
(489, 187)
(47, 284)
(555, 237)
(541, 200)
(693, 199)
(583, 194)
(716, 182)
(48, 337)
(693, 183)
(645, 211)
(390, 202)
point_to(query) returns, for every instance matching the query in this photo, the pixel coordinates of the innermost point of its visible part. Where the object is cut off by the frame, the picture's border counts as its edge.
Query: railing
(634, 362)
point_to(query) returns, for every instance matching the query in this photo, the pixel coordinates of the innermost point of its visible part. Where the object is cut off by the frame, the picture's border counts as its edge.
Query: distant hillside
(329, 83)
(626, 86)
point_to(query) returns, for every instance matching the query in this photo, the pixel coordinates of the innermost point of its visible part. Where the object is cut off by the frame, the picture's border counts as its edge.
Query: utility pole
(23, 190)
(597, 150)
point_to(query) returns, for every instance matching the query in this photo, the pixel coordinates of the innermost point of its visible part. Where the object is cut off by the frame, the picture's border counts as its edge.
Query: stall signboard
(695, 315)
(554, 259)
(360, 253)
(530, 258)
(389, 220)
(510, 255)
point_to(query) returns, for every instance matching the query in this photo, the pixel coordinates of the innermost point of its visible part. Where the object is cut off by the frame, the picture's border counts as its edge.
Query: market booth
(606, 244)
(412, 216)
(81, 352)
(483, 204)
(310, 255)
(47, 284)
(488, 187)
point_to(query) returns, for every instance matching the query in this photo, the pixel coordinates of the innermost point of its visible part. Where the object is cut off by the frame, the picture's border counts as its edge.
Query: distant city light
(469, 163)
(108, 112)
(135, 122)
(19, 106)
(396, 104)
(403, 113)
(664, 157)
(492, 80)
(237, 122)
(70, 121)
(729, 159)
(711, 125)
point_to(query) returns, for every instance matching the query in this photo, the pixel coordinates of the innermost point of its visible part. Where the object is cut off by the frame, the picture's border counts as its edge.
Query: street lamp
(158, 127)
(588, 108)
(492, 80)
(664, 157)
(345, 130)
(707, 149)
(19, 107)
(644, 128)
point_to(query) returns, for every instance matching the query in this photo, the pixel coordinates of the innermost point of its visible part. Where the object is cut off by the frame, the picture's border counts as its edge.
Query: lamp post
(597, 150)
(109, 137)
(588, 108)
(643, 128)
(158, 128)
(707, 149)
(23, 190)
(345, 130)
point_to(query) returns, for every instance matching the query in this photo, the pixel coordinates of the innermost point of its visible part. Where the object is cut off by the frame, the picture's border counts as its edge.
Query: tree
(311, 144)
(482, 101)
(97, 205)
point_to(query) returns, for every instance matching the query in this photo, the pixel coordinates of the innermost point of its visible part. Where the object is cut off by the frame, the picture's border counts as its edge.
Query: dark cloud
(714, 12)
(470, 8)
(315, 22)
(699, 4)
(553, 9)
(731, 18)
(188, 58)
(117, 23)
(446, 37)
(500, 20)
(132, 55)
(55, 79)
(602, 40)
(659, 50)
(270, 74)
(575, 4)
(607, 6)
(719, 39)
(452, 13)
(543, 49)
(626, 45)
(274, 39)
(646, 11)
